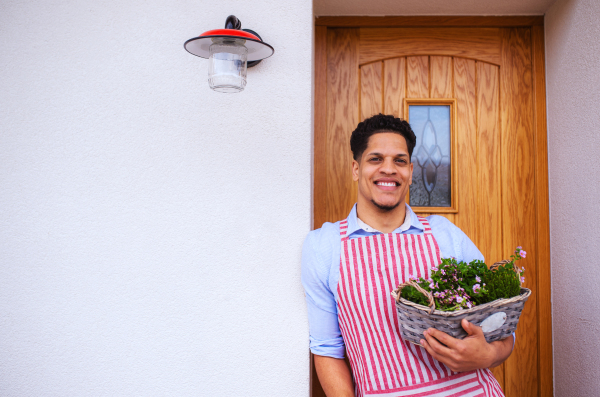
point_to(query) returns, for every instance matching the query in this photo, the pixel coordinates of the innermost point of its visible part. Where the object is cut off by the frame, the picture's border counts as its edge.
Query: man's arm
(334, 376)
(472, 352)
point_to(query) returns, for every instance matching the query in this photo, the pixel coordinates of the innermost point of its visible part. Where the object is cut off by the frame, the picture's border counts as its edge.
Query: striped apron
(383, 363)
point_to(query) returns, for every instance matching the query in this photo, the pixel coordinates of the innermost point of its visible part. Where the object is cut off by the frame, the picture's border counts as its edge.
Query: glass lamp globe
(227, 65)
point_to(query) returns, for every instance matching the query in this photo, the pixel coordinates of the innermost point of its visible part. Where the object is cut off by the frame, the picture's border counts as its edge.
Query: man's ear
(355, 170)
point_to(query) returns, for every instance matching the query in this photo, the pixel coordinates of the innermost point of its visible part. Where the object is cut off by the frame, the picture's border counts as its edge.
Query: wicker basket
(415, 318)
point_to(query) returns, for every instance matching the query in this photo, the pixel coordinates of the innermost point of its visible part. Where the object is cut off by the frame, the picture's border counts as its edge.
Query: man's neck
(384, 221)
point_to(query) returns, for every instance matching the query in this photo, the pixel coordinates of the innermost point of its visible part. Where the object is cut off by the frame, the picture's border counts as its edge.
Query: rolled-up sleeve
(325, 336)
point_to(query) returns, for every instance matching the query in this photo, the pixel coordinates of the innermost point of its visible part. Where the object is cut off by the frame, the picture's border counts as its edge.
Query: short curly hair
(376, 124)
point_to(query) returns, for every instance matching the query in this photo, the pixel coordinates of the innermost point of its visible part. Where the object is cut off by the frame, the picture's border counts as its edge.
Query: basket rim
(523, 295)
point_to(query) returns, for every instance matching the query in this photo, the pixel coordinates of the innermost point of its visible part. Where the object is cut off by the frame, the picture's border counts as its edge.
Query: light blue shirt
(321, 270)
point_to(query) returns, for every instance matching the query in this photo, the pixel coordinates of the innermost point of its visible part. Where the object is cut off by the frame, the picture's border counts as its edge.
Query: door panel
(395, 86)
(342, 116)
(371, 99)
(518, 198)
(488, 71)
(476, 43)
(441, 77)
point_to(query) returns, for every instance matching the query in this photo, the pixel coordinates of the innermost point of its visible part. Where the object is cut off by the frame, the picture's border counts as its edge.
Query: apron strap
(344, 229)
(425, 223)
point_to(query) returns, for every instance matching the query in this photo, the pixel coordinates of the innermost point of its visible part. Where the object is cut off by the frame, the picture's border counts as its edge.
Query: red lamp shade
(257, 49)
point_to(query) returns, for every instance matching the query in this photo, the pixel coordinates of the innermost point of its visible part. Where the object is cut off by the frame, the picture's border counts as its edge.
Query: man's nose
(387, 166)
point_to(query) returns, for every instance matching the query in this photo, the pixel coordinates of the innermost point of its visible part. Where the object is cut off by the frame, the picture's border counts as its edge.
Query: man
(350, 267)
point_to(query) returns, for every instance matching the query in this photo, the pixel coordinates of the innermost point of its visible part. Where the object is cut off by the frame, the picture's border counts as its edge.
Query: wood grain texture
(466, 156)
(383, 43)
(489, 202)
(417, 77)
(320, 128)
(518, 200)
(394, 83)
(371, 90)
(489, 236)
(441, 77)
(342, 118)
(430, 21)
(544, 309)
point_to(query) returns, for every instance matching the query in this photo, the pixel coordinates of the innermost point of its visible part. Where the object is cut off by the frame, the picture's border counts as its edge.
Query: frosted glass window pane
(431, 156)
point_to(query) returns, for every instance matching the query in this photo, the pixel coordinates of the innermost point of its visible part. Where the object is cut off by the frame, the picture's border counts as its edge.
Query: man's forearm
(334, 376)
(503, 350)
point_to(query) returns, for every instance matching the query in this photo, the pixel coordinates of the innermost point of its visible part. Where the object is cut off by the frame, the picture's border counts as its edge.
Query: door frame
(542, 215)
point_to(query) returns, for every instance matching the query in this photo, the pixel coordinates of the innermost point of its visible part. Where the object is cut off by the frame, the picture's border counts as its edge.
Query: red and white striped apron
(383, 363)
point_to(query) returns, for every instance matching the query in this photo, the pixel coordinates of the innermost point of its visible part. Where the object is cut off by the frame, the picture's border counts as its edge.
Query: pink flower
(477, 279)
(469, 305)
(431, 285)
(519, 247)
(476, 288)
(523, 254)
(459, 299)
(522, 280)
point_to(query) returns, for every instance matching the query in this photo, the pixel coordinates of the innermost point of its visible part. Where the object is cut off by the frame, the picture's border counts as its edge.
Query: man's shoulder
(325, 234)
(441, 223)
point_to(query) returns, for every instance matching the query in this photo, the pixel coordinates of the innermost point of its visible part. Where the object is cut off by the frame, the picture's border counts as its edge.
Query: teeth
(386, 183)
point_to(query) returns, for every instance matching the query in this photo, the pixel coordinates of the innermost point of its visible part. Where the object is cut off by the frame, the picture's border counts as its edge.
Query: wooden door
(494, 77)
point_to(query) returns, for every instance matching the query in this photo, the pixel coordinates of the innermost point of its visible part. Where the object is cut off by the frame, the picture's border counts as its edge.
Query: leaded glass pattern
(431, 157)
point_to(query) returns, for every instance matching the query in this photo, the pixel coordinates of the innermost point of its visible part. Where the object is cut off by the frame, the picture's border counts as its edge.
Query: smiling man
(350, 267)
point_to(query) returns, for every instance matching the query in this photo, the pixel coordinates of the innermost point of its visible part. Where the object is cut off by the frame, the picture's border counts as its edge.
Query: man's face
(384, 172)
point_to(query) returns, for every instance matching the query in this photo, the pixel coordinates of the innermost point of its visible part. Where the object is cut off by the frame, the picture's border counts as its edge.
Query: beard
(385, 208)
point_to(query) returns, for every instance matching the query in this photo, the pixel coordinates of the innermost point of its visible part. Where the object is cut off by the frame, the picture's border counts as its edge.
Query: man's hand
(472, 352)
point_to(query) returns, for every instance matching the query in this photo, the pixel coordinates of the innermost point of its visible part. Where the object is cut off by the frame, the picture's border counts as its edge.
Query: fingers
(443, 337)
(470, 328)
(438, 351)
(434, 343)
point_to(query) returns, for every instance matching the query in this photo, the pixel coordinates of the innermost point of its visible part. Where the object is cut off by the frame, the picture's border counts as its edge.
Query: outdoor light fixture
(229, 51)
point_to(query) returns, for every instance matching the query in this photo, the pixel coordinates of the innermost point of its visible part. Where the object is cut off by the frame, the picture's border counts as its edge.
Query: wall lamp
(230, 52)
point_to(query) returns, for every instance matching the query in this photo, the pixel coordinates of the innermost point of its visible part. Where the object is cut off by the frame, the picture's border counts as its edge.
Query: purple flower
(522, 280)
(469, 305)
(431, 285)
(476, 288)
(523, 254)
(477, 279)
(519, 247)
(459, 299)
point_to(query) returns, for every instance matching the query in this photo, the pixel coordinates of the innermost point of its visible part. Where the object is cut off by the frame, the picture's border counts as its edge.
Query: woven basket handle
(427, 294)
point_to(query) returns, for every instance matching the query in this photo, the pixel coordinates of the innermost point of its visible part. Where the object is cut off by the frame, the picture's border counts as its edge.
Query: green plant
(458, 285)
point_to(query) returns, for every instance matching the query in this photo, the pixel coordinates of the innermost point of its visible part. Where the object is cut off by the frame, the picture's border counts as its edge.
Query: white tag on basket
(493, 322)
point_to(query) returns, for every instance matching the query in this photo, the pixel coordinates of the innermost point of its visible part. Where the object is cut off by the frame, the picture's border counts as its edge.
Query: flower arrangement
(458, 285)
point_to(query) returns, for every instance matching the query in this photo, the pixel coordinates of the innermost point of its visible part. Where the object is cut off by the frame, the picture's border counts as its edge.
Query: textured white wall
(151, 229)
(573, 78)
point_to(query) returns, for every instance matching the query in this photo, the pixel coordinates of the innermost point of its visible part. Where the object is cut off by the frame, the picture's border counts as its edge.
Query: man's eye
(374, 159)
(402, 161)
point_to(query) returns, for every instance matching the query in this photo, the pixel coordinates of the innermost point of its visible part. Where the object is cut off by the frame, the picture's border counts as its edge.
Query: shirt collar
(411, 221)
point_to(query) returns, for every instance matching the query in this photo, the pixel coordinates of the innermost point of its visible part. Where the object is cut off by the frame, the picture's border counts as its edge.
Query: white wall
(151, 229)
(573, 78)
